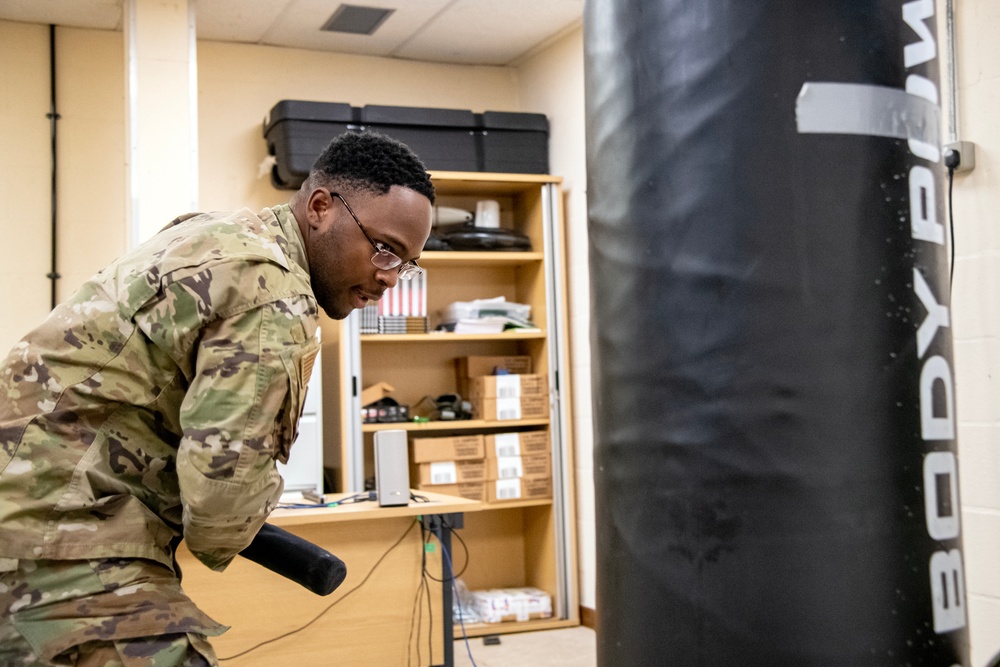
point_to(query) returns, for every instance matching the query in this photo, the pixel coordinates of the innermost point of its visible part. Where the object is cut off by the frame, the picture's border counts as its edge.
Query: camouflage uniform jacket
(153, 403)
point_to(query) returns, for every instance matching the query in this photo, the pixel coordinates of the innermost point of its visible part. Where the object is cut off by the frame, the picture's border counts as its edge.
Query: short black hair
(373, 162)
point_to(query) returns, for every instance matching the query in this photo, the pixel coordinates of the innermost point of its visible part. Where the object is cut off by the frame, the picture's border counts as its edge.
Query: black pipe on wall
(53, 116)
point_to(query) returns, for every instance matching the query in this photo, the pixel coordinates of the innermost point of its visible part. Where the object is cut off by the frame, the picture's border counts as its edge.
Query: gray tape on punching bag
(774, 405)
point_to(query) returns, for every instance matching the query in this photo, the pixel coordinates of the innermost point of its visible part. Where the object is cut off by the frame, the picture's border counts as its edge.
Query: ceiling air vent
(356, 19)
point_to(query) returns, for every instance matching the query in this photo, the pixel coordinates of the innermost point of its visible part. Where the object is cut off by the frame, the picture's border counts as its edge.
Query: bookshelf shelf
(459, 425)
(440, 258)
(445, 337)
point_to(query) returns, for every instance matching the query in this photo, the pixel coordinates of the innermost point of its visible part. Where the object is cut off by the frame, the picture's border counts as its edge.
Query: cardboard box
(470, 490)
(519, 488)
(523, 443)
(477, 365)
(474, 366)
(376, 392)
(452, 448)
(508, 467)
(449, 472)
(507, 386)
(501, 409)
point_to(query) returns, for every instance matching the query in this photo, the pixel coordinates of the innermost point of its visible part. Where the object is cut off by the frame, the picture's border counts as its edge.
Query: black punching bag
(774, 403)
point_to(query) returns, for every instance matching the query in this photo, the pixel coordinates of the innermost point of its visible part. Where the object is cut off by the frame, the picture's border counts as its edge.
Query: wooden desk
(370, 626)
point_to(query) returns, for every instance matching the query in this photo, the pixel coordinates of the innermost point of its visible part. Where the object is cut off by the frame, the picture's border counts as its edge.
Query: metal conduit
(53, 116)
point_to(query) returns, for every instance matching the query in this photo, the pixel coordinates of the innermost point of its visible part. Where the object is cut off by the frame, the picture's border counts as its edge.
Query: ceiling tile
(490, 32)
(237, 20)
(300, 26)
(101, 14)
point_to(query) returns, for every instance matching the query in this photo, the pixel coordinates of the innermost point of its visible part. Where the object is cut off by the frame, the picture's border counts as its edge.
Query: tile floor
(568, 647)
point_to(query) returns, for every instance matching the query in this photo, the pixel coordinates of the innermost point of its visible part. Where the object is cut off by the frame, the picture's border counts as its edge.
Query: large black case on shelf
(297, 131)
(445, 139)
(515, 143)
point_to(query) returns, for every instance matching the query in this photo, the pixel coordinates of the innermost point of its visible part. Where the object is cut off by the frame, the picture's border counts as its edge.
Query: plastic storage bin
(445, 139)
(297, 131)
(515, 143)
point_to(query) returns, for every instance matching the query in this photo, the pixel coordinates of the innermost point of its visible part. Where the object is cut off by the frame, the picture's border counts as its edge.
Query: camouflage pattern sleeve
(239, 414)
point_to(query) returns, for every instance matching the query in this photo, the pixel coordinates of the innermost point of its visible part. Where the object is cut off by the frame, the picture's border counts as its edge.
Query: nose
(388, 277)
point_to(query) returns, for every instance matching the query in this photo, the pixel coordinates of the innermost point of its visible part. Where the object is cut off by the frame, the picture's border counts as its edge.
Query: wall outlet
(967, 155)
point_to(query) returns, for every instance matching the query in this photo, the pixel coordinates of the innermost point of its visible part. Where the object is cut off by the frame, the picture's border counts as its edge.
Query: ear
(318, 207)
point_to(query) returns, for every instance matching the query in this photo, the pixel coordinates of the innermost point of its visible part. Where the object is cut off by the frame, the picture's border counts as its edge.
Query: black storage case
(296, 133)
(444, 139)
(515, 143)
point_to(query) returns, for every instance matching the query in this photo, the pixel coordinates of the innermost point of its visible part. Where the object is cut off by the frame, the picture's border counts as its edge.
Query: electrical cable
(415, 618)
(350, 500)
(425, 539)
(464, 567)
(951, 226)
(430, 619)
(423, 577)
(332, 604)
(465, 636)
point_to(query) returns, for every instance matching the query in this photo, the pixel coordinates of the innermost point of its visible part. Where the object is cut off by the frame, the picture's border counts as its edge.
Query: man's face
(343, 276)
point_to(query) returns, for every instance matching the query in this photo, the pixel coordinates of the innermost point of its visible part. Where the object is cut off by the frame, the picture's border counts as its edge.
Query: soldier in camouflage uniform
(153, 404)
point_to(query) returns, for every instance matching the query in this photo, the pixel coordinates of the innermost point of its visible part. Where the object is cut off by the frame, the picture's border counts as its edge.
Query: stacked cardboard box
(518, 466)
(524, 443)
(503, 397)
(503, 388)
(503, 409)
(453, 465)
(518, 488)
(480, 365)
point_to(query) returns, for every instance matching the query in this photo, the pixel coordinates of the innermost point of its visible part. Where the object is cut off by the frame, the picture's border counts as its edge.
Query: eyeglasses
(382, 258)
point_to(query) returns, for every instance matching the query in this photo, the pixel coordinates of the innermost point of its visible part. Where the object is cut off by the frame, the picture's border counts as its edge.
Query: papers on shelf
(480, 308)
(491, 325)
(479, 325)
(487, 316)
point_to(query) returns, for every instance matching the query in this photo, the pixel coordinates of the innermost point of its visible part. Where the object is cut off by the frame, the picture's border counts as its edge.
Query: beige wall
(25, 171)
(90, 102)
(976, 317)
(238, 84)
(91, 85)
(551, 82)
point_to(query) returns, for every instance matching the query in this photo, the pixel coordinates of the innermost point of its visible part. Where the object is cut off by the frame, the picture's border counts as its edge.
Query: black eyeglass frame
(387, 260)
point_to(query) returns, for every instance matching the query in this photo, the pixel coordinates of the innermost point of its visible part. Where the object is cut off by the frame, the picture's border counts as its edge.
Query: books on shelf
(401, 310)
